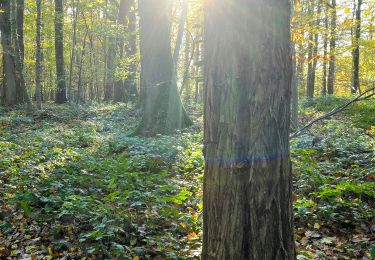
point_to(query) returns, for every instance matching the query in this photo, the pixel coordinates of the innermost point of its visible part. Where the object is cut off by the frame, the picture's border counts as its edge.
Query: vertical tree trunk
(189, 54)
(294, 106)
(309, 49)
(180, 35)
(332, 49)
(163, 111)
(10, 86)
(131, 53)
(313, 51)
(325, 53)
(59, 52)
(356, 53)
(75, 10)
(123, 13)
(197, 55)
(247, 190)
(16, 27)
(80, 96)
(38, 55)
(20, 38)
(294, 96)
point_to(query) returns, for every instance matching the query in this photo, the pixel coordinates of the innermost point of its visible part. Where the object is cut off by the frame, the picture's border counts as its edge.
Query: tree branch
(336, 110)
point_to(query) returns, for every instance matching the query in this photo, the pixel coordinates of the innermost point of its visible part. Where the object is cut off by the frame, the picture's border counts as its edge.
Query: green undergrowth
(334, 182)
(74, 184)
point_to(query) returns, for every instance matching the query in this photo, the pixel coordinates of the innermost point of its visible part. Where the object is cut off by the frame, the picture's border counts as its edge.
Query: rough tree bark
(247, 190)
(10, 86)
(59, 52)
(332, 49)
(163, 111)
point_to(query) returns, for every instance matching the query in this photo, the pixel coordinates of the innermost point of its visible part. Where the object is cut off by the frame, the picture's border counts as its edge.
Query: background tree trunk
(75, 10)
(247, 190)
(181, 29)
(325, 53)
(38, 55)
(131, 53)
(332, 48)
(313, 51)
(356, 53)
(20, 38)
(163, 111)
(59, 52)
(10, 87)
(123, 13)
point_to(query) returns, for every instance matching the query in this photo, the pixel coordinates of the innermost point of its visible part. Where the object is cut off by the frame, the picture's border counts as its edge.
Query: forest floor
(75, 185)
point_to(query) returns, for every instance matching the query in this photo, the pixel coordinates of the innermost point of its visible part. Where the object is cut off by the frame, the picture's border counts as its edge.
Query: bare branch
(363, 96)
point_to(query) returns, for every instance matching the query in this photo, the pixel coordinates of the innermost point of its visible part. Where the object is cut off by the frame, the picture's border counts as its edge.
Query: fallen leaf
(192, 236)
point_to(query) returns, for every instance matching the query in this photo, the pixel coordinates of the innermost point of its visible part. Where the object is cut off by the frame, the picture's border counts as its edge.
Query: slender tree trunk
(196, 71)
(123, 13)
(189, 54)
(80, 97)
(181, 29)
(356, 53)
(59, 52)
(247, 211)
(294, 96)
(325, 53)
(332, 49)
(163, 111)
(131, 53)
(20, 37)
(313, 51)
(38, 55)
(294, 106)
(75, 9)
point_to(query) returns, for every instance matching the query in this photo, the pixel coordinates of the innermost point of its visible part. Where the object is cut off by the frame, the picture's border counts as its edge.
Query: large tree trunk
(163, 111)
(10, 82)
(357, 36)
(247, 182)
(59, 52)
(38, 55)
(332, 49)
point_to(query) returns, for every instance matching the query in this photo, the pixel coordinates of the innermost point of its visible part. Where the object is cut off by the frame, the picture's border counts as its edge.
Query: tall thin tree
(38, 55)
(332, 50)
(59, 52)
(356, 51)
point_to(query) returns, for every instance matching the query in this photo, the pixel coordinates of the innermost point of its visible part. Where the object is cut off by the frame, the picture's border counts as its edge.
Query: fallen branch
(336, 110)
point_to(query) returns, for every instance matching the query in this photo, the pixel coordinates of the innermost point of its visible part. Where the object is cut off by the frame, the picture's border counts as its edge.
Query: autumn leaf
(192, 236)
